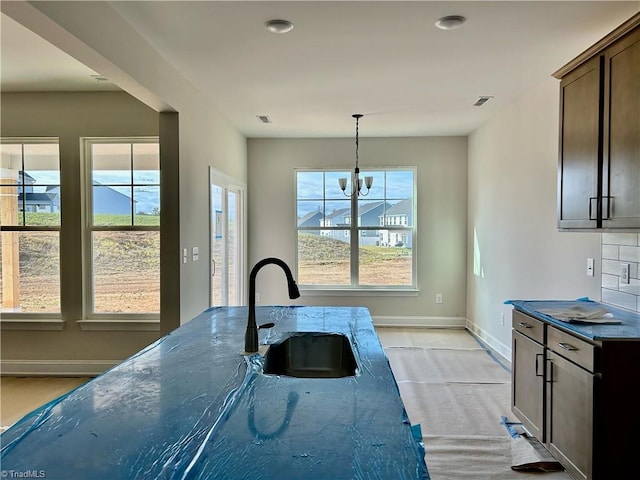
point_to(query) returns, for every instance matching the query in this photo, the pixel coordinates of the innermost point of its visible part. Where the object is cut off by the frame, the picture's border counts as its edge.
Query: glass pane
(146, 163)
(338, 213)
(217, 247)
(385, 257)
(35, 200)
(309, 213)
(399, 213)
(309, 185)
(332, 188)
(370, 213)
(11, 204)
(147, 205)
(30, 273)
(111, 163)
(323, 259)
(399, 184)
(111, 205)
(42, 164)
(233, 292)
(377, 191)
(11, 157)
(126, 272)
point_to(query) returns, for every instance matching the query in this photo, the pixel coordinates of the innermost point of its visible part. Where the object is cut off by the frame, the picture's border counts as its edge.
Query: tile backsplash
(618, 249)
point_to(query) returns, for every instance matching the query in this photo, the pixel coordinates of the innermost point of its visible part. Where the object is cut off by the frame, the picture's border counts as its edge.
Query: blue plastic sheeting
(628, 328)
(192, 406)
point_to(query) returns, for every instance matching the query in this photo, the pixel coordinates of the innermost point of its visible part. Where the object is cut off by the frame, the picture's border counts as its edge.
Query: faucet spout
(251, 334)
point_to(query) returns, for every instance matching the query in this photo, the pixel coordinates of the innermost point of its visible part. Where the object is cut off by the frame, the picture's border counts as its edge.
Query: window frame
(355, 288)
(35, 320)
(90, 319)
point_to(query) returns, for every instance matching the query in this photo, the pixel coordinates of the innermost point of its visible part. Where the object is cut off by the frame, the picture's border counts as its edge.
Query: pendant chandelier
(356, 186)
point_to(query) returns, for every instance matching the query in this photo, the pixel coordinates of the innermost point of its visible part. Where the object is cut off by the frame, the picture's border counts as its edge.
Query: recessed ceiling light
(450, 22)
(264, 118)
(279, 26)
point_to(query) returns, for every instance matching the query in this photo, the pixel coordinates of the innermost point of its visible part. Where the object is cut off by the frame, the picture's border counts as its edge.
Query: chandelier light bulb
(357, 181)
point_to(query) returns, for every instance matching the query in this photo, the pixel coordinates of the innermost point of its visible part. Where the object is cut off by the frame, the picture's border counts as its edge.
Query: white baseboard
(493, 343)
(57, 368)
(417, 321)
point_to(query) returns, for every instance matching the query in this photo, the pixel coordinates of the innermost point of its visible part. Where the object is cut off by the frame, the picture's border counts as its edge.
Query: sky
(147, 198)
(320, 190)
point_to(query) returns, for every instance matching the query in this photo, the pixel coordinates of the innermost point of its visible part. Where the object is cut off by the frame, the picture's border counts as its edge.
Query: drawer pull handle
(524, 325)
(568, 346)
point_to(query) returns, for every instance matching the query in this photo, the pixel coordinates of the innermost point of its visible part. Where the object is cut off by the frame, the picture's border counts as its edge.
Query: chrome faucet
(251, 335)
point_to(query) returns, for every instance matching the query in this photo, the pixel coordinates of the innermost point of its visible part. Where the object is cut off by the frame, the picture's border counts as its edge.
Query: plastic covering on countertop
(192, 406)
(620, 323)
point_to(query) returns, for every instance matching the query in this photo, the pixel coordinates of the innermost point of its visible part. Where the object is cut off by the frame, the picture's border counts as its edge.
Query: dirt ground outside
(394, 271)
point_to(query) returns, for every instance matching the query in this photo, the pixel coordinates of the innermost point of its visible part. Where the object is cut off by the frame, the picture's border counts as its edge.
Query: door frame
(228, 183)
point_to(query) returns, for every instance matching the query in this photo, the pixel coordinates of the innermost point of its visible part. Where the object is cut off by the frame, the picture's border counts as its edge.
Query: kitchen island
(192, 405)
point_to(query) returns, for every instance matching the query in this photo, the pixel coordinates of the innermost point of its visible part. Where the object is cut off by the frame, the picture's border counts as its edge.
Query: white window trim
(106, 321)
(233, 185)
(120, 324)
(32, 320)
(363, 290)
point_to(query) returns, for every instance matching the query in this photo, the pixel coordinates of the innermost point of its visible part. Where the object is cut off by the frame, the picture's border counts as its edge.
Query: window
(122, 239)
(375, 250)
(30, 225)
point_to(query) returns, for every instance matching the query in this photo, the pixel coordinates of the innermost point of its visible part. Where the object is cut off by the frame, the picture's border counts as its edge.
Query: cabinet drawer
(572, 348)
(528, 326)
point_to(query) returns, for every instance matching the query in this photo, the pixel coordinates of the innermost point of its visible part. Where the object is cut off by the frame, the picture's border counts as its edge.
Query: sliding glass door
(227, 240)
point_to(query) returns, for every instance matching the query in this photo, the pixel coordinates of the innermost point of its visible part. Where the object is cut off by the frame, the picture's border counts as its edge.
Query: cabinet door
(569, 426)
(580, 146)
(527, 384)
(621, 189)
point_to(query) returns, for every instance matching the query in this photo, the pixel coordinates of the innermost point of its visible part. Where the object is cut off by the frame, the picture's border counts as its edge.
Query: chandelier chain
(357, 145)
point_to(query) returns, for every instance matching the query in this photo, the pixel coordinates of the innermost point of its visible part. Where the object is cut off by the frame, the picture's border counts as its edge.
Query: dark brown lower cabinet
(577, 396)
(569, 426)
(527, 382)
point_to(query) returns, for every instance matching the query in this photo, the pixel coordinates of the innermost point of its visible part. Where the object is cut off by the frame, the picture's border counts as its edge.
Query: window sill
(120, 325)
(359, 292)
(32, 324)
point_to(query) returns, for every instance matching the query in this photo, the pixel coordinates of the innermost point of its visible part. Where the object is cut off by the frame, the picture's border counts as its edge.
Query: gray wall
(70, 116)
(112, 47)
(441, 201)
(514, 250)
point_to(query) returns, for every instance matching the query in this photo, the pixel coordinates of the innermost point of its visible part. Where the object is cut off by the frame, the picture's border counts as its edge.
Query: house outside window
(356, 243)
(30, 225)
(122, 239)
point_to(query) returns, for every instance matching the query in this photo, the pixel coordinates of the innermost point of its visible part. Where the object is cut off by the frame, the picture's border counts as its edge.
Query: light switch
(195, 254)
(590, 267)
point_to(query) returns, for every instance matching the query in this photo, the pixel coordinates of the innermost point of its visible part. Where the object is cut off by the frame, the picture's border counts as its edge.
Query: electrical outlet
(438, 298)
(624, 272)
(257, 297)
(185, 256)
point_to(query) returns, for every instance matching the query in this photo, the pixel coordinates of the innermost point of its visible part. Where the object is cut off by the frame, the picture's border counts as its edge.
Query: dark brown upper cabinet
(599, 151)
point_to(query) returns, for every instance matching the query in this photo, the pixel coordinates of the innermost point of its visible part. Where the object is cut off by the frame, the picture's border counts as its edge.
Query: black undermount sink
(311, 355)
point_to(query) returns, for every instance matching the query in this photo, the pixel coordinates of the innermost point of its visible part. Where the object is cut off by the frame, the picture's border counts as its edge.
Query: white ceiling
(386, 60)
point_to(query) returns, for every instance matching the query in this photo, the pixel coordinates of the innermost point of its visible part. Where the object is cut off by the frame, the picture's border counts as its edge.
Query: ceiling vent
(264, 118)
(482, 100)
